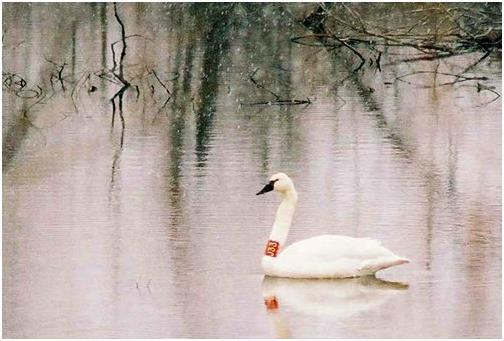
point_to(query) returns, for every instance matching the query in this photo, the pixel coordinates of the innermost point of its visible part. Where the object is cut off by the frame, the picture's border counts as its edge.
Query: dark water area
(129, 206)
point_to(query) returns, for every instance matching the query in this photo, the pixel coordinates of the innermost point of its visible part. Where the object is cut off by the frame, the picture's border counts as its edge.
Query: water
(163, 236)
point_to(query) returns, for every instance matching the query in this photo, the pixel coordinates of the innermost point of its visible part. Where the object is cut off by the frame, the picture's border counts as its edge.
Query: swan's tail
(371, 266)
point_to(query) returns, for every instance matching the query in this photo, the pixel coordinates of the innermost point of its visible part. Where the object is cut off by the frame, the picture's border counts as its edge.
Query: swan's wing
(328, 248)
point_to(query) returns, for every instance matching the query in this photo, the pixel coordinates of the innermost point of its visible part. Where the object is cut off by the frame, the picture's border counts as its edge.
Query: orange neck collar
(272, 248)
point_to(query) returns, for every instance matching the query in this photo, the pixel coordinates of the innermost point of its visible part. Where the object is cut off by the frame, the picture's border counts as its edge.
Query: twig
(162, 84)
(59, 76)
(350, 48)
(251, 77)
(60, 72)
(298, 40)
(459, 78)
(278, 100)
(281, 102)
(476, 63)
(138, 92)
(481, 87)
(167, 91)
(123, 38)
(74, 100)
(119, 96)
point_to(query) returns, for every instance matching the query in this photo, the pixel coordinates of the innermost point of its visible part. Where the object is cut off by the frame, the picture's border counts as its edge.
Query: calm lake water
(163, 235)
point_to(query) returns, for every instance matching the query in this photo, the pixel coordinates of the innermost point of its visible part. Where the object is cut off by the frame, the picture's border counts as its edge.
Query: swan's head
(279, 182)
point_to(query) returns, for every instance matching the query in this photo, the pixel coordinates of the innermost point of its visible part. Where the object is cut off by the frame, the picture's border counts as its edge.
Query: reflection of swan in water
(327, 297)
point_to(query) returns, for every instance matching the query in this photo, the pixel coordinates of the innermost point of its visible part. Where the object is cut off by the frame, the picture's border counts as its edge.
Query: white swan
(326, 256)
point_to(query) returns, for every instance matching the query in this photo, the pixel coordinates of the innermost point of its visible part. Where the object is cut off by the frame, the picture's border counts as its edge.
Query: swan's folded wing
(334, 247)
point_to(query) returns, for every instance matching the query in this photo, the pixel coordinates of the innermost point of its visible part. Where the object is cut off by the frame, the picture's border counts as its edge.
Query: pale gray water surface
(163, 236)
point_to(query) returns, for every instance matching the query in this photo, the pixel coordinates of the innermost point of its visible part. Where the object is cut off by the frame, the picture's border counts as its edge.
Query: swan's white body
(326, 256)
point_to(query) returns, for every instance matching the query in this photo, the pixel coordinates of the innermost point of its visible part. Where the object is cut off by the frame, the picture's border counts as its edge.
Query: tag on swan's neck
(272, 248)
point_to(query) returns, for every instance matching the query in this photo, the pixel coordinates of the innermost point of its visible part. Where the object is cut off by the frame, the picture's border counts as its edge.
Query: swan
(325, 256)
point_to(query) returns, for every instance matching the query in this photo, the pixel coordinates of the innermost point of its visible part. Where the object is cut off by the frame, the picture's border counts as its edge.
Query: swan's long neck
(283, 217)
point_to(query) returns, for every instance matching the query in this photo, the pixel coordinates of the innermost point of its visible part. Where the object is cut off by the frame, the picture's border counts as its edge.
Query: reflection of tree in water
(291, 138)
(13, 138)
(189, 53)
(103, 26)
(267, 59)
(257, 119)
(119, 149)
(390, 132)
(216, 45)
(180, 253)
(179, 51)
(177, 132)
(182, 95)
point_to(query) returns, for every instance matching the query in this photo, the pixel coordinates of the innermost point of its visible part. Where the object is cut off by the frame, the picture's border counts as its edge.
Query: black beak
(268, 188)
